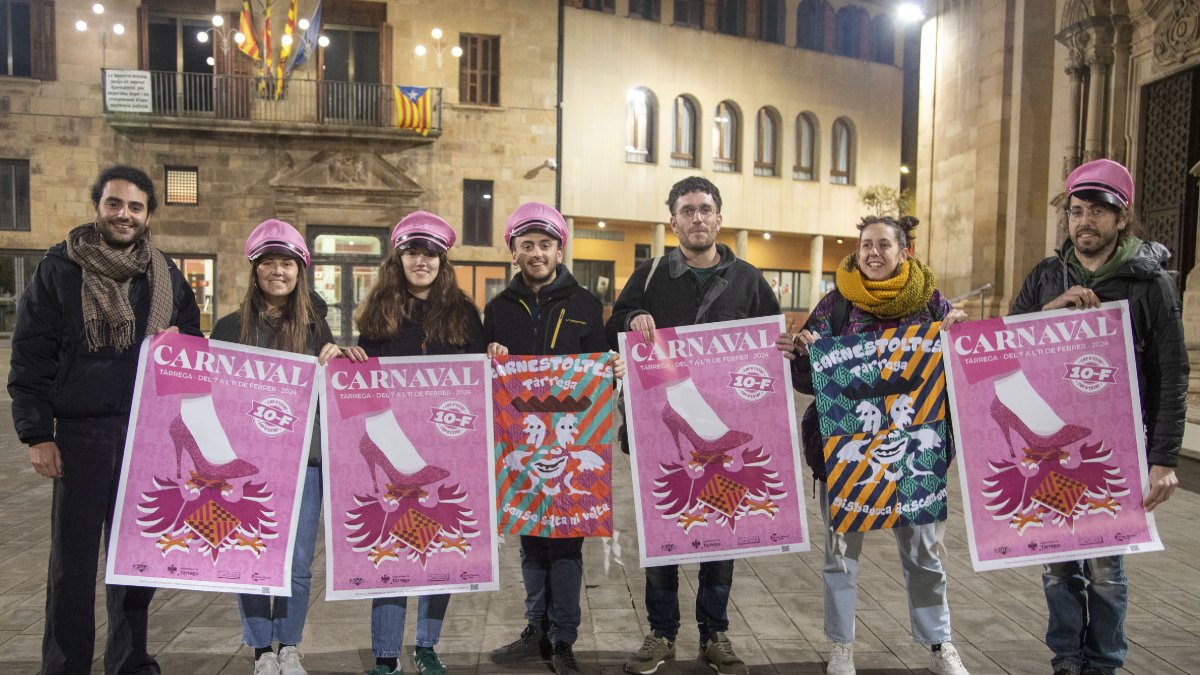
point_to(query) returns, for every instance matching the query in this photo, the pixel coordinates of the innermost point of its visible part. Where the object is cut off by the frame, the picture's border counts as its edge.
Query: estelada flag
(413, 108)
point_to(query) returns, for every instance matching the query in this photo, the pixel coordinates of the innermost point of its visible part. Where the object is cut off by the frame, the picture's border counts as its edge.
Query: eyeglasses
(1093, 213)
(706, 211)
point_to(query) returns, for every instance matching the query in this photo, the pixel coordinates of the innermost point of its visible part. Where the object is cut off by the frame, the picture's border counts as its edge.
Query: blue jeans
(387, 623)
(712, 598)
(552, 570)
(928, 611)
(266, 619)
(1087, 601)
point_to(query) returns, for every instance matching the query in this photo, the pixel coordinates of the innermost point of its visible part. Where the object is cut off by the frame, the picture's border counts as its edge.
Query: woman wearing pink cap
(279, 312)
(415, 308)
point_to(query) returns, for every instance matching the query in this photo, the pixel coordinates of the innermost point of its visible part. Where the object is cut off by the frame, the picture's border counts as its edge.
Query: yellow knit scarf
(902, 295)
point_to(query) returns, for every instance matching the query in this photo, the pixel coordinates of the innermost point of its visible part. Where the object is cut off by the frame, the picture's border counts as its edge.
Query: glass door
(345, 267)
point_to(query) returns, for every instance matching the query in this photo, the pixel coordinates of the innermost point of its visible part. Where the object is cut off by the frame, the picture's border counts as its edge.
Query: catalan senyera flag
(246, 26)
(266, 62)
(286, 49)
(414, 109)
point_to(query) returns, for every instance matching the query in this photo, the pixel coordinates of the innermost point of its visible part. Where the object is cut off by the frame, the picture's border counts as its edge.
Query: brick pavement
(775, 613)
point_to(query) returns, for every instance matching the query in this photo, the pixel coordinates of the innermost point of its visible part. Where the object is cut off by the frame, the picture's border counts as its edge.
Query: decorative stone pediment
(343, 171)
(1177, 32)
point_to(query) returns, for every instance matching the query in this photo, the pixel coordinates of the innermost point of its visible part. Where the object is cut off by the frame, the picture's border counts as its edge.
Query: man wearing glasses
(701, 281)
(1103, 260)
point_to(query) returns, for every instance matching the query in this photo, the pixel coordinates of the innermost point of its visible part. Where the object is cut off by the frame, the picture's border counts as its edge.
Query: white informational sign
(127, 91)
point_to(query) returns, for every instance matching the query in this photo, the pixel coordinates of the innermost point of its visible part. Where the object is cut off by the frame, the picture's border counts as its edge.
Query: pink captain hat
(1102, 180)
(425, 230)
(276, 236)
(535, 216)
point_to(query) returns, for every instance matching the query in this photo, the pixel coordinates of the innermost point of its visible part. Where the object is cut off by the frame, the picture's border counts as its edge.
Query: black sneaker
(533, 642)
(564, 660)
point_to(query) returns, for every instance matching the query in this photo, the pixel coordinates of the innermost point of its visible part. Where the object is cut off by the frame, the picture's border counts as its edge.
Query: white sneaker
(267, 664)
(841, 660)
(289, 662)
(946, 661)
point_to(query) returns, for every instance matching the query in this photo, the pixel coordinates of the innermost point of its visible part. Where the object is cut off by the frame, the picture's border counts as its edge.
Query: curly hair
(294, 324)
(689, 185)
(902, 227)
(127, 173)
(389, 306)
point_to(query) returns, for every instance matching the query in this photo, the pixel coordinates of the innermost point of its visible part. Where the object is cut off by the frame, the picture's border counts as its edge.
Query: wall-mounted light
(601, 224)
(767, 236)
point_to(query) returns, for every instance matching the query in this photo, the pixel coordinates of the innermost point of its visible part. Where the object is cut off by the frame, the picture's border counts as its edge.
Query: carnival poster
(410, 493)
(881, 403)
(712, 442)
(1048, 419)
(214, 458)
(554, 444)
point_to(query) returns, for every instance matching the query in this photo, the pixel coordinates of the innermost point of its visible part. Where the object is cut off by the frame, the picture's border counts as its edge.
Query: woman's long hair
(389, 306)
(293, 324)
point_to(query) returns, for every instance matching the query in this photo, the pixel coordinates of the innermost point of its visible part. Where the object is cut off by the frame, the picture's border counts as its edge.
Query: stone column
(657, 246)
(1120, 95)
(1075, 72)
(569, 249)
(816, 259)
(1098, 67)
(742, 245)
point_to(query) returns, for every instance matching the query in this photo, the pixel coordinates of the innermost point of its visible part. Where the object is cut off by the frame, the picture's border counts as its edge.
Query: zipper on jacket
(561, 314)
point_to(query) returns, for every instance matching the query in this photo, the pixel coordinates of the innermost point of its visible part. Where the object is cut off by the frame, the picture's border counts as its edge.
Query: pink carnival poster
(713, 444)
(1047, 422)
(554, 444)
(410, 492)
(218, 438)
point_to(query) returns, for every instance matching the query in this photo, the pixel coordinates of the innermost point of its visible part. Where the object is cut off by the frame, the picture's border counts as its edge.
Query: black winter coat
(737, 290)
(229, 329)
(1156, 314)
(52, 374)
(410, 341)
(568, 320)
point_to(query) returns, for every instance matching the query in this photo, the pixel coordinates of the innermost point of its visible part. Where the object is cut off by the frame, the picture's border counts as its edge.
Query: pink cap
(535, 216)
(276, 236)
(425, 230)
(1102, 180)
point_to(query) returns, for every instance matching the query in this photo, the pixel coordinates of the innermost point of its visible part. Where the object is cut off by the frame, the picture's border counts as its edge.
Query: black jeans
(92, 451)
(552, 570)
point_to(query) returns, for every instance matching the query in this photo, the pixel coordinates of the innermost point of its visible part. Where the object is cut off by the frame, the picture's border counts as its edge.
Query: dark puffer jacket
(53, 375)
(229, 329)
(736, 290)
(1156, 314)
(562, 318)
(411, 340)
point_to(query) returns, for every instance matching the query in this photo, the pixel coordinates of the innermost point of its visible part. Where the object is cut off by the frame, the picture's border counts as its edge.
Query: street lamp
(910, 12)
(438, 48)
(115, 29)
(225, 33)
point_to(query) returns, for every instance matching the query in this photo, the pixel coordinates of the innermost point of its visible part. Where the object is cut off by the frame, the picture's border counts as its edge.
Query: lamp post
(225, 33)
(438, 49)
(115, 29)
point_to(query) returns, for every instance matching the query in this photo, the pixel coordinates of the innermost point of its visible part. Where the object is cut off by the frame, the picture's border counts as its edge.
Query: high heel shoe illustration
(1038, 447)
(704, 451)
(400, 484)
(185, 441)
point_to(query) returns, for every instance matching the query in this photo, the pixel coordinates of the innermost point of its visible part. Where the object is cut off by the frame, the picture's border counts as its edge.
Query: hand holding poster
(211, 482)
(881, 402)
(554, 444)
(409, 489)
(712, 485)
(1048, 419)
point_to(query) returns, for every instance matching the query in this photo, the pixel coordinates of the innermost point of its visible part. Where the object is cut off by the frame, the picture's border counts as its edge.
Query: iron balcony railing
(253, 99)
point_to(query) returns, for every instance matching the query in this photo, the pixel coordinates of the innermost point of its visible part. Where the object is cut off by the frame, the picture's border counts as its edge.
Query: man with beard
(701, 281)
(1102, 260)
(74, 359)
(545, 311)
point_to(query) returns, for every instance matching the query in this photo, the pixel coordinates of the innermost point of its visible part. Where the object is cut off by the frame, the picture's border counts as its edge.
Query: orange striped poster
(881, 402)
(553, 425)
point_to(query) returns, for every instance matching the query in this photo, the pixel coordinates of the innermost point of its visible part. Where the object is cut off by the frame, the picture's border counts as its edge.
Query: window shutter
(43, 59)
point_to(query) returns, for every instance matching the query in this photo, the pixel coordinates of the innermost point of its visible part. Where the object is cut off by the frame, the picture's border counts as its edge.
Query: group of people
(96, 295)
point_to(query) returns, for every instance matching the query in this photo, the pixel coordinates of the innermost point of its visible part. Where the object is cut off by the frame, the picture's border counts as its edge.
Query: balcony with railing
(249, 104)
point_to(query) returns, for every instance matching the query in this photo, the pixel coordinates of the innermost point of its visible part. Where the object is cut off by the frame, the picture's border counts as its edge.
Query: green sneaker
(428, 662)
(718, 654)
(383, 670)
(655, 651)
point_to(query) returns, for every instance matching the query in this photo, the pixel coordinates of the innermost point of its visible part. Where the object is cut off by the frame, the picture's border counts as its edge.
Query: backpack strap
(841, 312)
(653, 266)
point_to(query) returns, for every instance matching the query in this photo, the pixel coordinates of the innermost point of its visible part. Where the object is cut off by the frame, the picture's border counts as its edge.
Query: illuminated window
(639, 126)
(683, 146)
(841, 170)
(726, 128)
(183, 185)
(200, 275)
(766, 146)
(806, 147)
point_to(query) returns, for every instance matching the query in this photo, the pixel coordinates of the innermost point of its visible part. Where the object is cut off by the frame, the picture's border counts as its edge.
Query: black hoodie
(561, 318)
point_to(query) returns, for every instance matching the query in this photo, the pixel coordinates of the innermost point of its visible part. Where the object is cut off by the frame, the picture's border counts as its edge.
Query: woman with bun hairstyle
(279, 312)
(415, 308)
(880, 285)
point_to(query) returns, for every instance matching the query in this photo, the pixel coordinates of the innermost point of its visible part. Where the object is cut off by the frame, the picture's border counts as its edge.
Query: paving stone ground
(776, 608)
